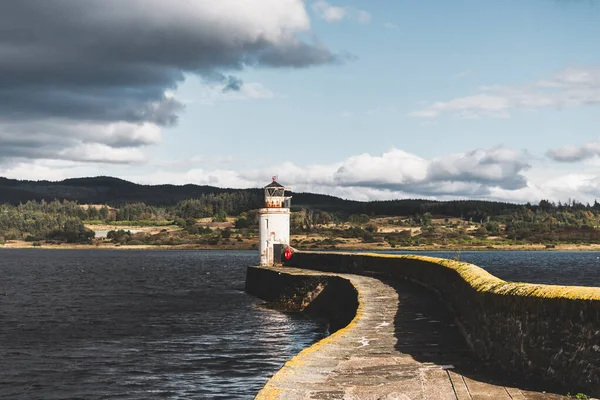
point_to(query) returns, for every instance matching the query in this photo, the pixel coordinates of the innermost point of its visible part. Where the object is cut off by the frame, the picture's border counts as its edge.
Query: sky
(366, 100)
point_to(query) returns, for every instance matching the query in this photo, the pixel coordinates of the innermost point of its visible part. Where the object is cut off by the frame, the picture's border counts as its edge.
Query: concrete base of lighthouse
(273, 228)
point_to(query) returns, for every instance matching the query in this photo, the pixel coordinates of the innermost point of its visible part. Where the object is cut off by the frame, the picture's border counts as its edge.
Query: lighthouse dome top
(274, 184)
(275, 195)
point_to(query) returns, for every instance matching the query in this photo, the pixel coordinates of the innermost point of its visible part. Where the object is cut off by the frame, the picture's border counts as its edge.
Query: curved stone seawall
(329, 298)
(544, 332)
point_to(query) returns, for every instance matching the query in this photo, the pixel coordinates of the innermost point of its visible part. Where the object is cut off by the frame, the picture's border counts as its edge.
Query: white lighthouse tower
(274, 223)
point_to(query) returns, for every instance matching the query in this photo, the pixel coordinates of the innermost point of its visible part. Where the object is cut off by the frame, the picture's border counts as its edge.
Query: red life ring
(287, 253)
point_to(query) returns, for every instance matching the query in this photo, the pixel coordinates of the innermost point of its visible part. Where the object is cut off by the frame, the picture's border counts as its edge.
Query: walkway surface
(402, 345)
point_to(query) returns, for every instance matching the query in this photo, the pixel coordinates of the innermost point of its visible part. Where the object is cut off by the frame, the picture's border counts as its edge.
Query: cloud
(117, 64)
(499, 174)
(62, 139)
(395, 173)
(390, 26)
(233, 84)
(116, 59)
(572, 87)
(498, 167)
(471, 173)
(331, 13)
(328, 12)
(40, 170)
(96, 152)
(573, 153)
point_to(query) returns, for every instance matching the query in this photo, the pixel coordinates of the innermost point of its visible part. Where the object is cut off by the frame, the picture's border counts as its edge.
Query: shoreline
(353, 248)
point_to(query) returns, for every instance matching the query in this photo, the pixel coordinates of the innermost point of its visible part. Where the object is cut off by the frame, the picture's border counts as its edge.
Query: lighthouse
(274, 223)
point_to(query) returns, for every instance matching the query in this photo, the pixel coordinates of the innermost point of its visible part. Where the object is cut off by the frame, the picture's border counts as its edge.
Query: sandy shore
(110, 246)
(146, 229)
(506, 247)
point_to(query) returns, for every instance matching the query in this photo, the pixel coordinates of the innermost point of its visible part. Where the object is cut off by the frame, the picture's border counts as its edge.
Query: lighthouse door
(277, 250)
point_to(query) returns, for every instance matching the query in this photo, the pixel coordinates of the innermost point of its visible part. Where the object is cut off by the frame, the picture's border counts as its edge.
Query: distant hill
(116, 192)
(101, 189)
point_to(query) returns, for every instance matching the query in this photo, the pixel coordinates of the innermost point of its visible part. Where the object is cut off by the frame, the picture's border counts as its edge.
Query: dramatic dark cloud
(109, 61)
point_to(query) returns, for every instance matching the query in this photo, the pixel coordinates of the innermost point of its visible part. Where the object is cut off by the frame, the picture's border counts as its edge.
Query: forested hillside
(99, 190)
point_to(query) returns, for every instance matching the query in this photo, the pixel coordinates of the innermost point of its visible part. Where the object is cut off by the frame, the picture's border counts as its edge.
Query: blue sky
(463, 99)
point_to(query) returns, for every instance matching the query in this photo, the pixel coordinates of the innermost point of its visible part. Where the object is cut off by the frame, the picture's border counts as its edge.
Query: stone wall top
(483, 281)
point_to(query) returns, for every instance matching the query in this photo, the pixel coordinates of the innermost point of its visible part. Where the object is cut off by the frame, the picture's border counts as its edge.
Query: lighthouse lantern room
(274, 223)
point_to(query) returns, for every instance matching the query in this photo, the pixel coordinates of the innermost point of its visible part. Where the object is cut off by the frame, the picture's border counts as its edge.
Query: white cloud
(100, 153)
(118, 134)
(390, 26)
(572, 87)
(393, 168)
(39, 170)
(332, 13)
(328, 12)
(571, 153)
(581, 187)
(200, 176)
(393, 174)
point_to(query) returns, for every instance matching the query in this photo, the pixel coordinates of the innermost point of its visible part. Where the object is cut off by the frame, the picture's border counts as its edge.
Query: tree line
(543, 222)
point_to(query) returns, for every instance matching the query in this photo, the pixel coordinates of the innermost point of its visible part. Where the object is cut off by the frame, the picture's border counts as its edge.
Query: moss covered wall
(545, 332)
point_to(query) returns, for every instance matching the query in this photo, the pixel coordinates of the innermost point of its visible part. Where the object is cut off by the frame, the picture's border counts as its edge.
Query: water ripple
(138, 325)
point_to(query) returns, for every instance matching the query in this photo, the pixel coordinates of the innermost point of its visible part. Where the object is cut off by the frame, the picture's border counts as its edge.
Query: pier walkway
(401, 345)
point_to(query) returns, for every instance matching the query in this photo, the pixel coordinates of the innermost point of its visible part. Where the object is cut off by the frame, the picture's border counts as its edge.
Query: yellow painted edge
(272, 390)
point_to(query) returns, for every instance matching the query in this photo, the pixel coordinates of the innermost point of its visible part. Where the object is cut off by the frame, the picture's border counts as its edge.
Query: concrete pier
(401, 344)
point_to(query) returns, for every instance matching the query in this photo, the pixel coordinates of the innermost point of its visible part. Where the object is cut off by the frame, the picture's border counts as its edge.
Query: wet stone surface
(402, 345)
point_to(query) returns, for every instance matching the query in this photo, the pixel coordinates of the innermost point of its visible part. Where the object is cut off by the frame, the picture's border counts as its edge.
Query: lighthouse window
(267, 223)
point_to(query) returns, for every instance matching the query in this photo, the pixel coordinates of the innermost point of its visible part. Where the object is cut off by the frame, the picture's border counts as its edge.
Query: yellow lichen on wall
(482, 281)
